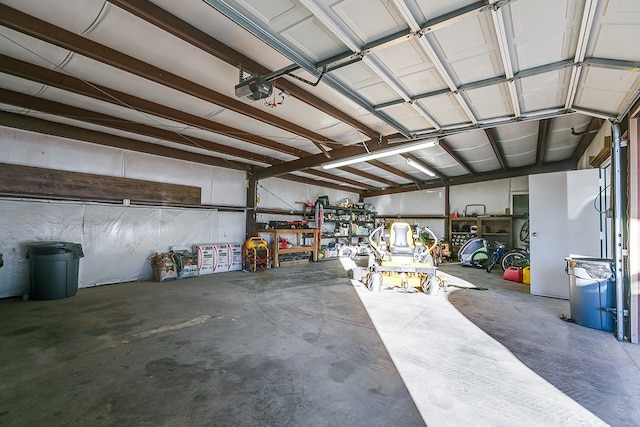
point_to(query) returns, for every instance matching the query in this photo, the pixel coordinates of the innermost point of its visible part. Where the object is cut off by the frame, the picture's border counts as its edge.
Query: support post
(250, 215)
(619, 209)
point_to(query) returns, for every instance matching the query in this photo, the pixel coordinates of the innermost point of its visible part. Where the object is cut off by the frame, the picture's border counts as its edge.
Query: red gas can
(513, 273)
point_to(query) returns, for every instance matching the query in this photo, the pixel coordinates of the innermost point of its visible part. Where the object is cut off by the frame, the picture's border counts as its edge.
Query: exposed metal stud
(581, 49)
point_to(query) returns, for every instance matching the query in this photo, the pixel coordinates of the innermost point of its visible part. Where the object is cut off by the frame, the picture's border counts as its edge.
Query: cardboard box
(236, 256)
(221, 258)
(205, 254)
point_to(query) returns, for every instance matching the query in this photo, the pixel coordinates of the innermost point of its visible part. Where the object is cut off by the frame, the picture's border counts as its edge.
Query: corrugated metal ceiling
(500, 83)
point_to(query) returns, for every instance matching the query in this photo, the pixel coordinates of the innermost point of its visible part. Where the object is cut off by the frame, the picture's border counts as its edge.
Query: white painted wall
(116, 239)
(496, 195)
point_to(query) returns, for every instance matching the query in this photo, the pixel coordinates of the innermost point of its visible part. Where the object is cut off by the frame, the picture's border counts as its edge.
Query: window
(519, 203)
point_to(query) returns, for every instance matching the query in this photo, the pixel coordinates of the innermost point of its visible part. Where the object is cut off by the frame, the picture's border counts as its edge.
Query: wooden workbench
(299, 247)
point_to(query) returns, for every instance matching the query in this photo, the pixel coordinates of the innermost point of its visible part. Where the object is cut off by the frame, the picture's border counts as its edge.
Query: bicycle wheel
(512, 257)
(493, 261)
(524, 231)
(479, 259)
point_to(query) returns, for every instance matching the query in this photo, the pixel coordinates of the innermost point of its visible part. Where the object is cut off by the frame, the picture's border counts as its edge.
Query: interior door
(563, 221)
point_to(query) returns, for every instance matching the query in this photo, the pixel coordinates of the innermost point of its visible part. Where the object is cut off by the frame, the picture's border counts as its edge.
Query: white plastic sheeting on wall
(277, 193)
(116, 240)
(219, 186)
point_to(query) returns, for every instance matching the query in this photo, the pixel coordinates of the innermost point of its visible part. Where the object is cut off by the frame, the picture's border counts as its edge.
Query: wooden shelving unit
(492, 228)
(347, 223)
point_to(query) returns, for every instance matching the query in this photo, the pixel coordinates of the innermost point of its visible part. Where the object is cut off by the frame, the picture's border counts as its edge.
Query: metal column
(619, 251)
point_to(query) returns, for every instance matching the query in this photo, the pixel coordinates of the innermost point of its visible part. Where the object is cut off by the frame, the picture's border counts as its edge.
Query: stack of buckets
(517, 274)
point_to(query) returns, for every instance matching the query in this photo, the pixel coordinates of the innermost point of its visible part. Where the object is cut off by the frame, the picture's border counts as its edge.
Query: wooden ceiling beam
(80, 114)
(310, 181)
(44, 31)
(467, 179)
(443, 144)
(544, 126)
(46, 127)
(496, 148)
(61, 81)
(394, 171)
(327, 175)
(369, 176)
(159, 17)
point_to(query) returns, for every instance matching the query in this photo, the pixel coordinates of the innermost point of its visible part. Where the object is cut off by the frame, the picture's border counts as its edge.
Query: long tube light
(421, 168)
(405, 148)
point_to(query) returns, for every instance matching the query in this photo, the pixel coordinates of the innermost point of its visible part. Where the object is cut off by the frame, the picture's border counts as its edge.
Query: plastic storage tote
(54, 269)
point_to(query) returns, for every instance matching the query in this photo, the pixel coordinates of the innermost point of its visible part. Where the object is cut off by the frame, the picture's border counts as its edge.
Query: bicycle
(518, 257)
(497, 256)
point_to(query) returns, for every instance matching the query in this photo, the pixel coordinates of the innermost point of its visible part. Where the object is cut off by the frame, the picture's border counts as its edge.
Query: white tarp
(117, 240)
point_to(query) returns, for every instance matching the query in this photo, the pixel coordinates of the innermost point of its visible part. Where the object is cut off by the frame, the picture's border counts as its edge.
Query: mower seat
(401, 239)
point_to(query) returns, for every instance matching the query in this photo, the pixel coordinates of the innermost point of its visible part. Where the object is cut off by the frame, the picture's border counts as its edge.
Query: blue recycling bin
(592, 292)
(53, 269)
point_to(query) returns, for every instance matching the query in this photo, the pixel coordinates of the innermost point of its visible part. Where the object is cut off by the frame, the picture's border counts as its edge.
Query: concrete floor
(303, 345)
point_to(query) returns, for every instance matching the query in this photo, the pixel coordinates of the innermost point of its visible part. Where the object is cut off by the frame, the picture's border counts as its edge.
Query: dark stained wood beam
(467, 179)
(384, 166)
(496, 148)
(32, 124)
(369, 176)
(310, 181)
(544, 126)
(80, 114)
(443, 144)
(327, 175)
(44, 31)
(157, 16)
(32, 181)
(319, 159)
(62, 81)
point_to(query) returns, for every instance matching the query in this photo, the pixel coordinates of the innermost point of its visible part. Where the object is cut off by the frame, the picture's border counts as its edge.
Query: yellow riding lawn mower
(403, 262)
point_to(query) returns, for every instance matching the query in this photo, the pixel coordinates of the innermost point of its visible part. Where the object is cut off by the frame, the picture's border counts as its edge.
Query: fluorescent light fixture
(421, 168)
(405, 148)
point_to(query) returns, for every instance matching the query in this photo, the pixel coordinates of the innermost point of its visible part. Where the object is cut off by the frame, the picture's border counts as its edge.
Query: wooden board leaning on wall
(39, 182)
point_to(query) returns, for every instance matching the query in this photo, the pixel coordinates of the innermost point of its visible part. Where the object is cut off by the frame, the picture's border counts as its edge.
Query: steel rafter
(489, 176)
(157, 16)
(496, 148)
(443, 144)
(46, 127)
(58, 80)
(544, 127)
(392, 170)
(326, 175)
(34, 27)
(235, 16)
(80, 114)
(581, 49)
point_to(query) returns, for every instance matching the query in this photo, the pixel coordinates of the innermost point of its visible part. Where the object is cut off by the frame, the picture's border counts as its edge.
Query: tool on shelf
(484, 209)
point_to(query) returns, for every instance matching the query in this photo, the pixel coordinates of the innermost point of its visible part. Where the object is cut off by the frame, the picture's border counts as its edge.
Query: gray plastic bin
(54, 269)
(592, 292)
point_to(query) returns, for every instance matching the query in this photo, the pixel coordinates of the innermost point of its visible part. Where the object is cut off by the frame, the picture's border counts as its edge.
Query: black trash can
(54, 269)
